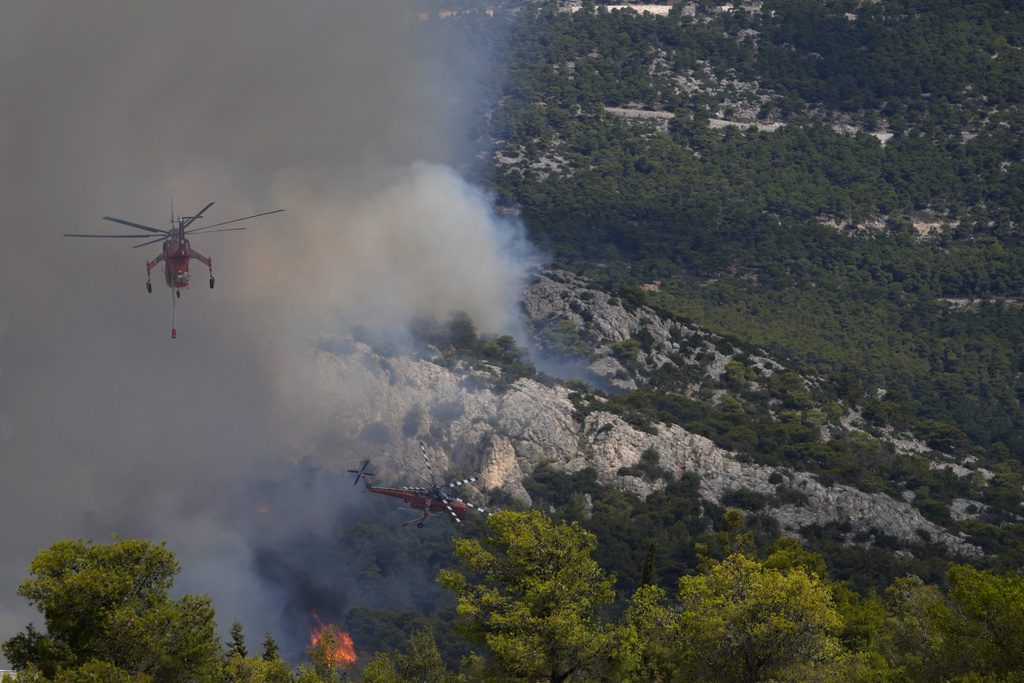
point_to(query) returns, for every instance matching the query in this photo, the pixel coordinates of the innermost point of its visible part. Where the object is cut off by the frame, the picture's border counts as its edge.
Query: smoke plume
(338, 112)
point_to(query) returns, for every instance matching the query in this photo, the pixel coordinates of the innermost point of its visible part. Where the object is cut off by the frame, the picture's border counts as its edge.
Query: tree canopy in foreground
(537, 607)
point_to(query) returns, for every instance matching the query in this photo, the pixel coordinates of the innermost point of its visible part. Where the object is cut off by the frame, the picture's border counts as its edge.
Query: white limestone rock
(539, 421)
(360, 402)
(603, 321)
(613, 444)
(501, 470)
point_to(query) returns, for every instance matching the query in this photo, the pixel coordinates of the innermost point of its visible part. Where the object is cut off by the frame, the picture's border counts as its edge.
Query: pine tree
(237, 646)
(647, 578)
(109, 615)
(270, 649)
(536, 604)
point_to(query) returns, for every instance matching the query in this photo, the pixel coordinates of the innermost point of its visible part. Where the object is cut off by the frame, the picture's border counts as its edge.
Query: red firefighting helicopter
(432, 500)
(177, 252)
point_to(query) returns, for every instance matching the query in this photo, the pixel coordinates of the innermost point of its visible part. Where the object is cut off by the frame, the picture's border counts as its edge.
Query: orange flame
(338, 649)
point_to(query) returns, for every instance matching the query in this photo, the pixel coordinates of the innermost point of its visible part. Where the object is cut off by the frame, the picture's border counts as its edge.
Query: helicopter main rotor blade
(430, 469)
(402, 463)
(195, 216)
(218, 230)
(140, 226)
(124, 237)
(244, 218)
(146, 244)
(478, 508)
(451, 510)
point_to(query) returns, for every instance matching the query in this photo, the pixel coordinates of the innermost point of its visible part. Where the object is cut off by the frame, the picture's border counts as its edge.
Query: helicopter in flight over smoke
(177, 252)
(431, 500)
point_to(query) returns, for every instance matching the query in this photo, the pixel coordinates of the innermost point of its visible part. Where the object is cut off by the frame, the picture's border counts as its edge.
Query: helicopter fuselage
(176, 256)
(431, 502)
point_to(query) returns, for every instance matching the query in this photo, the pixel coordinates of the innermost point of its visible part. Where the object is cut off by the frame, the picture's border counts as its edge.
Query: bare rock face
(605, 324)
(561, 299)
(612, 444)
(964, 508)
(539, 422)
(613, 371)
(501, 469)
(366, 402)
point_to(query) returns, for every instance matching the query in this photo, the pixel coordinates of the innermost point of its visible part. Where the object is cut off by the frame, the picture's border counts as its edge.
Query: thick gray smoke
(418, 241)
(335, 111)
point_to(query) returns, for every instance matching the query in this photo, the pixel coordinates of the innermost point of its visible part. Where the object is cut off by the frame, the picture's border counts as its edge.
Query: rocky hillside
(472, 420)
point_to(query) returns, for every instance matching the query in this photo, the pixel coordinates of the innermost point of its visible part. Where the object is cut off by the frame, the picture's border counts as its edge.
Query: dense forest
(809, 236)
(533, 604)
(837, 182)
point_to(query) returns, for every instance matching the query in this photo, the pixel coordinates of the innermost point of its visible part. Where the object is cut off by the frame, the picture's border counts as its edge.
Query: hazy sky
(330, 110)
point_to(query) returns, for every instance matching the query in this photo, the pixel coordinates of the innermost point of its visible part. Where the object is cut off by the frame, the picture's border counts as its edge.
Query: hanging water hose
(174, 312)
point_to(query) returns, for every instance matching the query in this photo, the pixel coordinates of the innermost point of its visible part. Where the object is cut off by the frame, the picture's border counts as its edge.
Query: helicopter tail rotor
(361, 473)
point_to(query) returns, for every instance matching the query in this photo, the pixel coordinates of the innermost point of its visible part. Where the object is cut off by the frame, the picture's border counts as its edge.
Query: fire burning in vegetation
(333, 644)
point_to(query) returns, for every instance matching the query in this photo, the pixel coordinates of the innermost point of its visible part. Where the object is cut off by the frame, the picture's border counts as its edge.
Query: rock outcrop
(605, 325)
(365, 402)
